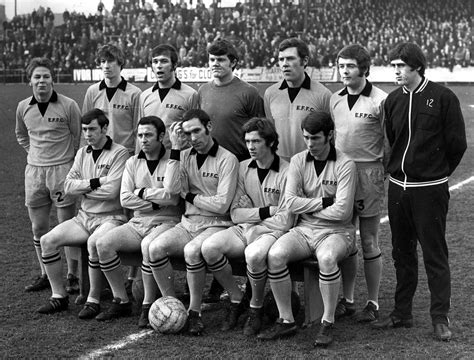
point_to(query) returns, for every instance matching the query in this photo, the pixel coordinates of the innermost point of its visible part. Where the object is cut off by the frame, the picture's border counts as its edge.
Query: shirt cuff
(155, 206)
(264, 212)
(190, 197)
(327, 201)
(94, 183)
(175, 154)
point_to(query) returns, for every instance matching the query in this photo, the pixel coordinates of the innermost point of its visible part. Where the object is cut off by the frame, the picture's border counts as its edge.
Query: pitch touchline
(130, 339)
(135, 337)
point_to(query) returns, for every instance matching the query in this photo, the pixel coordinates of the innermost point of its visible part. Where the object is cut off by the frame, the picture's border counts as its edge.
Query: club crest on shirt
(304, 108)
(364, 115)
(174, 106)
(271, 191)
(56, 119)
(208, 174)
(160, 178)
(103, 166)
(120, 107)
(329, 182)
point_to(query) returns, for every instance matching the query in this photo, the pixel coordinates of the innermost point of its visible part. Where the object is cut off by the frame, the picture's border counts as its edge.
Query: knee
(370, 246)
(210, 252)
(192, 253)
(49, 243)
(104, 248)
(276, 258)
(256, 258)
(156, 251)
(39, 230)
(327, 262)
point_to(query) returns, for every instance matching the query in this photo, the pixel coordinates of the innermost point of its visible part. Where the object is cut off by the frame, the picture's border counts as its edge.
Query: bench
(305, 271)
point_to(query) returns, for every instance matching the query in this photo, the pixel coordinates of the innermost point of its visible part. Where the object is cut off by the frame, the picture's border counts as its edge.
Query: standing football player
(260, 212)
(426, 132)
(288, 102)
(48, 127)
(229, 101)
(96, 176)
(116, 97)
(168, 98)
(357, 112)
(206, 177)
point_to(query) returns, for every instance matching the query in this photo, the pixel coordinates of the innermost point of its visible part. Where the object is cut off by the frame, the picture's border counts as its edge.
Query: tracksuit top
(111, 163)
(230, 106)
(305, 190)
(122, 110)
(425, 129)
(271, 192)
(213, 185)
(52, 139)
(360, 130)
(287, 115)
(154, 200)
(180, 98)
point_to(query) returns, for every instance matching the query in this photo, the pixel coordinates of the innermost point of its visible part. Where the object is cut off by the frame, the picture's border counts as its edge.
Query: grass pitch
(26, 334)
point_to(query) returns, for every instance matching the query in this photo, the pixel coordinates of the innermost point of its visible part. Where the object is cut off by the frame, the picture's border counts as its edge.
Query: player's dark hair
(39, 62)
(265, 129)
(167, 50)
(93, 114)
(300, 45)
(361, 56)
(197, 114)
(155, 121)
(318, 121)
(411, 54)
(221, 47)
(110, 52)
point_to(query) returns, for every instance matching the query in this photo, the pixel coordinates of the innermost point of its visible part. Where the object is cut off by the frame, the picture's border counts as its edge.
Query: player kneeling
(320, 189)
(155, 211)
(96, 175)
(259, 210)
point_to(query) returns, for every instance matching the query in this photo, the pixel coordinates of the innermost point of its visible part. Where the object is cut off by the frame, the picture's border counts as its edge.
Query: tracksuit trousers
(419, 214)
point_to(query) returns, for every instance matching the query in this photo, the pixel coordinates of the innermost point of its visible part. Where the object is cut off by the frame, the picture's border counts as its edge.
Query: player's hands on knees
(177, 138)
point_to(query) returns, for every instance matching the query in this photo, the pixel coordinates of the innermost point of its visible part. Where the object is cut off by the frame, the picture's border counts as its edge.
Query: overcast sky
(58, 6)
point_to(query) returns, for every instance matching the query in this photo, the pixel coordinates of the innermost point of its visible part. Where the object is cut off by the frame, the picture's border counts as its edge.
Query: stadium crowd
(443, 30)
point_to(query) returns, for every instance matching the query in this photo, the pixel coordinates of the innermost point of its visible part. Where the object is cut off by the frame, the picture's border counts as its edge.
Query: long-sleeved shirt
(155, 200)
(122, 110)
(360, 131)
(270, 192)
(49, 139)
(287, 115)
(110, 164)
(212, 185)
(305, 190)
(179, 99)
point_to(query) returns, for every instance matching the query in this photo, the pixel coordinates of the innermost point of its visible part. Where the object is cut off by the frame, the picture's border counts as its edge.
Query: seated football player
(320, 189)
(259, 210)
(95, 175)
(154, 211)
(206, 177)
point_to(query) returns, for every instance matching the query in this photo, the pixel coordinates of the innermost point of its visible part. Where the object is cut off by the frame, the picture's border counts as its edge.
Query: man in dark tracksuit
(425, 129)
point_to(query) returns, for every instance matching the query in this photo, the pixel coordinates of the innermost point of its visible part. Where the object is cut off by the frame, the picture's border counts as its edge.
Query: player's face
(163, 68)
(148, 138)
(93, 133)
(404, 74)
(198, 135)
(291, 65)
(317, 144)
(256, 146)
(350, 73)
(221, 66)
(41, 81)
(110, 68)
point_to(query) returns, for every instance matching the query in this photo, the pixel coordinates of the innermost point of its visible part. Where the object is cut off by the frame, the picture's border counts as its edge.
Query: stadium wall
(378, 74)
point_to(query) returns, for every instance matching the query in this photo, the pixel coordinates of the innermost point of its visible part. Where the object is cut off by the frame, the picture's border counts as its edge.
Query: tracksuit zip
(408, 143)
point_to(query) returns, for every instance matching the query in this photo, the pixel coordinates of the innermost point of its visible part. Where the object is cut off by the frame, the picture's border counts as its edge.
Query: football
(167, 315)
(137, 290)
(270, 308)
